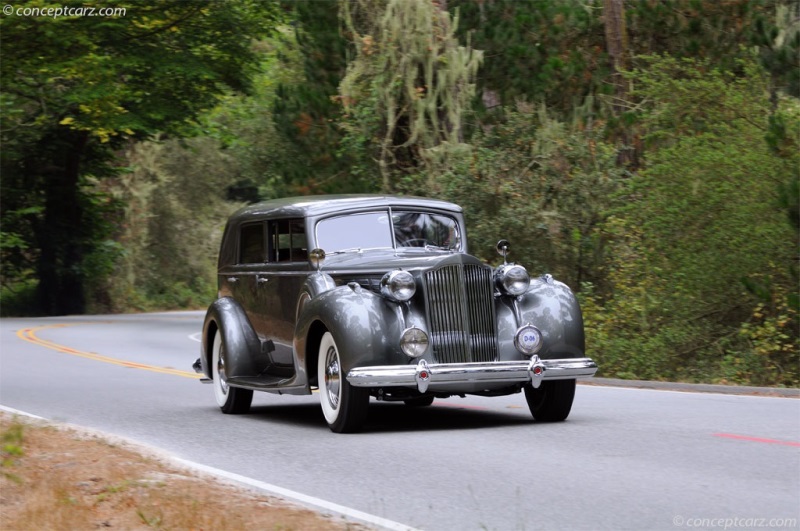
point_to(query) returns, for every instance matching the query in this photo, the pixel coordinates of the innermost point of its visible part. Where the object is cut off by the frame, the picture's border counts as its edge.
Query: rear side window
(252, 248)
(288, 240)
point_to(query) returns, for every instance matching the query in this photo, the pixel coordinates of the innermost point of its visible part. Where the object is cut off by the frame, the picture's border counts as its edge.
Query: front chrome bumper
(447, 376)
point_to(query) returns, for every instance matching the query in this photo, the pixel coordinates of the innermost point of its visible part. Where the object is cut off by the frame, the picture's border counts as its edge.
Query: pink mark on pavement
(756, 439)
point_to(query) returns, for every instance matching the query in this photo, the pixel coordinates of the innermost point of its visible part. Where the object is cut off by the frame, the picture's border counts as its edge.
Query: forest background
(645, 152)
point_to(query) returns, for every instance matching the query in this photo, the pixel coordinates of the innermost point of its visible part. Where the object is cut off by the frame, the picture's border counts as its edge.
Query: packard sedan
(361, 296)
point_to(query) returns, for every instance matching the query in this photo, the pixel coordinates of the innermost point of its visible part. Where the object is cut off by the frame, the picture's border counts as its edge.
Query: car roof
(319, 205)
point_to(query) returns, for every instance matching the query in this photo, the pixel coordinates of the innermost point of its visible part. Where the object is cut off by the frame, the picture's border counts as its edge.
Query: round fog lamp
(414, 342)
(528, 340)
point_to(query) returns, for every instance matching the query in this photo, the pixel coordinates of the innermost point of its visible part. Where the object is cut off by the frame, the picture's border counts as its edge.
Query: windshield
(371, 230)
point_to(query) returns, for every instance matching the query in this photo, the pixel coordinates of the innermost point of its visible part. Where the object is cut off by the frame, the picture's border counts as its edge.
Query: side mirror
(316, 257)
(503, 248)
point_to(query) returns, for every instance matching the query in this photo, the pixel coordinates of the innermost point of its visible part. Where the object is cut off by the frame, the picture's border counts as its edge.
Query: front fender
(242, 346)
(365, 326)
(551, 307)
(319, 283)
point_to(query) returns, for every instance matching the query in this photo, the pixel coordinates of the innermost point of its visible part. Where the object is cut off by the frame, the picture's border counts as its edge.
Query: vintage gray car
(373, 295)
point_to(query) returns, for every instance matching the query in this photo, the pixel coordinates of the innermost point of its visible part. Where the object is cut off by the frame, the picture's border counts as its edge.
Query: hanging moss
(407, 85)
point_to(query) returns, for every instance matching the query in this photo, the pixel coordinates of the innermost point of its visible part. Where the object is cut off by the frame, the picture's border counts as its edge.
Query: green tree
(306, 111)
(193, 184)
(543, 52)
(542, 184)
(75, 89)
(566, 54)
(173, 202)
(699, 224)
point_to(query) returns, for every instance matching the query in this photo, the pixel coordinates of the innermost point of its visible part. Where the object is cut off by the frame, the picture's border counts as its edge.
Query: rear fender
(243, 355)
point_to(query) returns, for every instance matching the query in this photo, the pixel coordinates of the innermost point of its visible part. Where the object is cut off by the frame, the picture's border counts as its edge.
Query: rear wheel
(229, 399)
(552, 401)
(344, 406)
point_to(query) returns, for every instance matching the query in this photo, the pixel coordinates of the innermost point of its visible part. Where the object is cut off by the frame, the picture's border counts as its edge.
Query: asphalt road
(625, 459)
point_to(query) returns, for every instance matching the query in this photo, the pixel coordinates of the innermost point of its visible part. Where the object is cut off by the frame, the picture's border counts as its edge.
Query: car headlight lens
(398, 285)
(528, 340)
(514, 279)
(414, 342)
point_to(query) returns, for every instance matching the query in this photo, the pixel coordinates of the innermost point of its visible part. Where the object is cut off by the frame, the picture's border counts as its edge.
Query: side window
(251, 244)
(288, 240)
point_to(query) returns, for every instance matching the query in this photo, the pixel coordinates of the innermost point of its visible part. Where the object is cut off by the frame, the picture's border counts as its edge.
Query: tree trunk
(617, 47)
(61, 240)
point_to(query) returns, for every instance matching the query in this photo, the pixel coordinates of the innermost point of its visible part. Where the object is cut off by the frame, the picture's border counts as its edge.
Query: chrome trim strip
(534, 371)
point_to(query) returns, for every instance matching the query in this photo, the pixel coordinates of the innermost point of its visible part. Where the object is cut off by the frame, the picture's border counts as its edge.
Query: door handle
(262, 280)
(233, 280)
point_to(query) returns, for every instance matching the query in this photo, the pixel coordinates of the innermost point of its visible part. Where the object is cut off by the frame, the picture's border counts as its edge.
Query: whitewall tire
(344, 406)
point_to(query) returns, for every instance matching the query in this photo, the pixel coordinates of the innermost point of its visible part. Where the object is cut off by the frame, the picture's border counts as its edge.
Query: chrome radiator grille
(460, 305)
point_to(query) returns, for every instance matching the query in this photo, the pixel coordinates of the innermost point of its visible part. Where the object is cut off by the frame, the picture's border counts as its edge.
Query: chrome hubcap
(332, 377)
(221, 372)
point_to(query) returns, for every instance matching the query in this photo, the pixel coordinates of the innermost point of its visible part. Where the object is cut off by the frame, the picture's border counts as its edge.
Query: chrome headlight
(513, 279)
(398, 285)
(414, 342)
(528, 340)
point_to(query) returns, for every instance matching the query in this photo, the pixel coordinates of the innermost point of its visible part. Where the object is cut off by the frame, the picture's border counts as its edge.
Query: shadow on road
(397, 417)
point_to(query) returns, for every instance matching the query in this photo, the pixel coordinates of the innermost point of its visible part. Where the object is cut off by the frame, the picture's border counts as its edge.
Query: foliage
(556, 53)
(12, 440)
(778, 44)
(256, 159)
(541, 184)
(305, 107)
(702, 217)
(175, 208)
(77, 88)
(178, 193)
(548, 52)
(406, 89)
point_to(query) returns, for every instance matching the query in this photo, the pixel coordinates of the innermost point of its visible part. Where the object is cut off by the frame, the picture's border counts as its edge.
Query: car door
(277, 286)
(237, 279)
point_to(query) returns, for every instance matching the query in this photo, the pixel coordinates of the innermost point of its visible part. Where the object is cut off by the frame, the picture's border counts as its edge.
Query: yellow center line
(29, 335)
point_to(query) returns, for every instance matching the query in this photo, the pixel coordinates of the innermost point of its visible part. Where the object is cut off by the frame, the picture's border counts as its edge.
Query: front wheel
(229, 399)
(344, 406)
(552, 401)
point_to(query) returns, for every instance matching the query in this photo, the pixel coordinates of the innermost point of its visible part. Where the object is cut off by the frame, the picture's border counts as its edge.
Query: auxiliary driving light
(528, 340)
(414, 342)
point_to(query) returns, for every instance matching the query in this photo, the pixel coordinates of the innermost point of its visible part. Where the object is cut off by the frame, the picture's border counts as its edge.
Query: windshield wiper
(427, 247)
(358, 249)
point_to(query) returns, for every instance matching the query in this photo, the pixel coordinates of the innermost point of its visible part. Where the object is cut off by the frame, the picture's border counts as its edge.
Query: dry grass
(57, 478)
